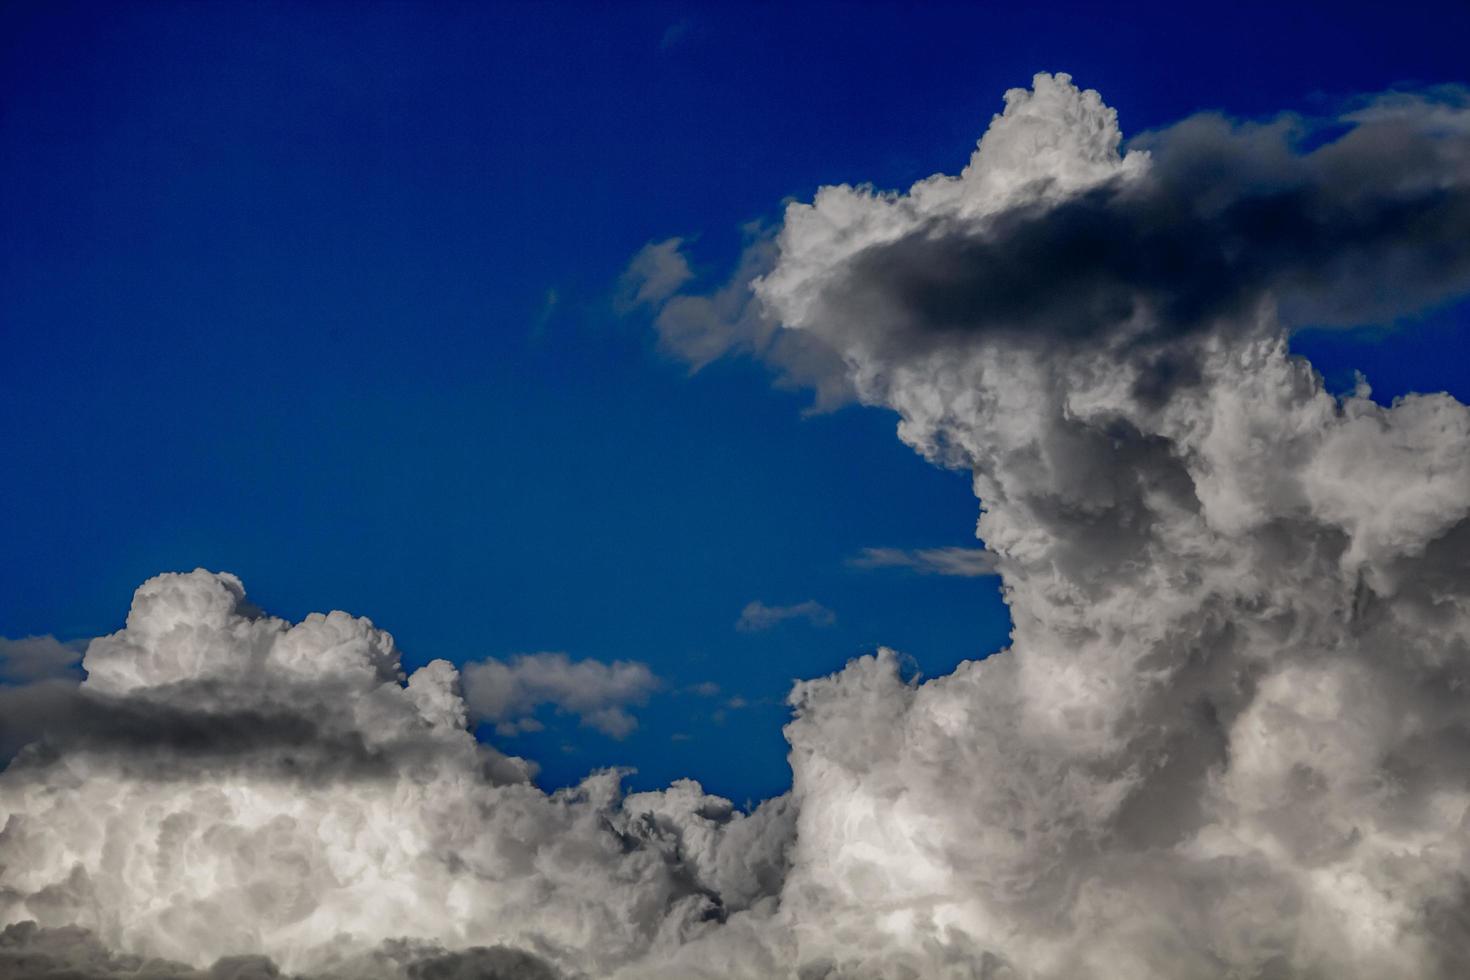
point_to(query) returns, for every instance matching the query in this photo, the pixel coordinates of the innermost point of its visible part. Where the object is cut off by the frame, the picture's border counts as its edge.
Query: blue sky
(323, 295)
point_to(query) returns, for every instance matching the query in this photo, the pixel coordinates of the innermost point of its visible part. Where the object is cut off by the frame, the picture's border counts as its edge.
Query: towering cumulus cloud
(1229, 738)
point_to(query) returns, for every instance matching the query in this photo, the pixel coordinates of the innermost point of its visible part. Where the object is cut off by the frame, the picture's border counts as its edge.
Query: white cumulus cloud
(1228, 737)
(225, 783)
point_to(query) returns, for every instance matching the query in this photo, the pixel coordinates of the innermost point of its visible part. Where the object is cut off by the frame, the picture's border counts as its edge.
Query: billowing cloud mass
(509, 692)
(227, 784)
(1229, 736)
(961, 562)
(757, 616)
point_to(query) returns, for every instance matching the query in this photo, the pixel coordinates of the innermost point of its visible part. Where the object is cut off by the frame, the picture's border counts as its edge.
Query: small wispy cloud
(550, 305)
(675, 33)
(757, 616)
(655, 274)
(508, 692)
(963, 562)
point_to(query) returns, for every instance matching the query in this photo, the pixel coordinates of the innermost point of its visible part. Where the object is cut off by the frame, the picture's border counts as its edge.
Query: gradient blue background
(321, 294)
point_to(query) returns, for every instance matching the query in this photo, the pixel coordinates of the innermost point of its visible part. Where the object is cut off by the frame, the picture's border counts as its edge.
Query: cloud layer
(1229, 735)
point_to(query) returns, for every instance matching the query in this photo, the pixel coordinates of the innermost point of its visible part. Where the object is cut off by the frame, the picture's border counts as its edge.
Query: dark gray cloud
(281, 731)
(163, 740)
(1370, 226)
(29, 951)
(483, 963)
(1361, 218)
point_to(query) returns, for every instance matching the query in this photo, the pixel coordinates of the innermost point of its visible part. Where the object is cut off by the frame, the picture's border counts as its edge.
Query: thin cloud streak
(757, 617)
(961, 562)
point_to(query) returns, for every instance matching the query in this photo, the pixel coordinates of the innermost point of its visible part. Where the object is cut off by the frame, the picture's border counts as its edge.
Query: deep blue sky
(321, 294)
